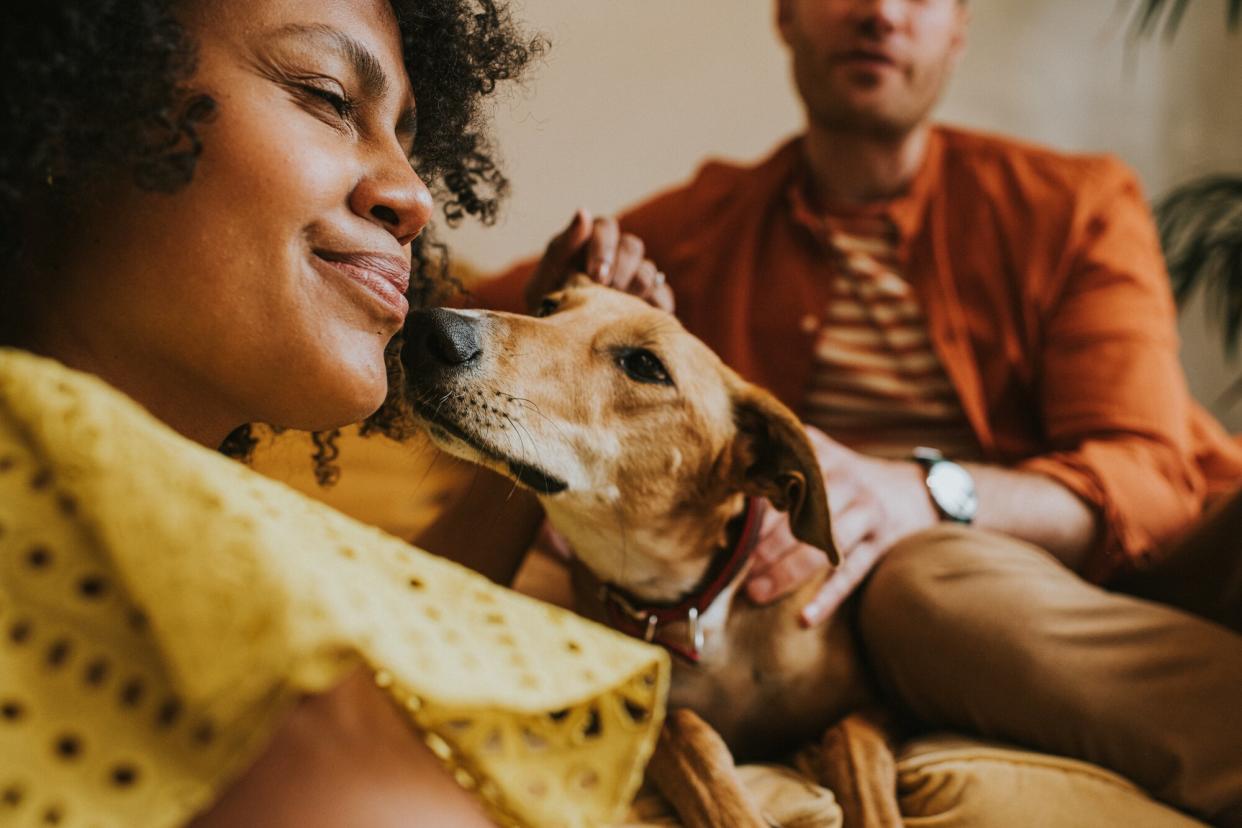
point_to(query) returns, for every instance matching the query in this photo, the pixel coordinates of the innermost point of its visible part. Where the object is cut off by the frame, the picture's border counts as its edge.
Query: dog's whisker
(516, 433)
(434, 459)
(534, 446)
(442, 401)
(512, 434)
(513, 423)
(512, 489)
(531, 405)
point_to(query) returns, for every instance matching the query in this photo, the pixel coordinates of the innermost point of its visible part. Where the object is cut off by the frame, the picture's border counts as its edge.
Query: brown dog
(651, 457)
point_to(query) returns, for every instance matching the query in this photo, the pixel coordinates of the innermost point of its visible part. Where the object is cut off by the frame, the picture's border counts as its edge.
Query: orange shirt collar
(906, 211)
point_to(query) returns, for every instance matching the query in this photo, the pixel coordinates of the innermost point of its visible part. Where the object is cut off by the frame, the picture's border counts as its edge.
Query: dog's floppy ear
(775, 459)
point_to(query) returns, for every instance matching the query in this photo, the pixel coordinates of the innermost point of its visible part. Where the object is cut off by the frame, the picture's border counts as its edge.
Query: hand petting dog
(648, 454)
(598, 248)
(874, 504)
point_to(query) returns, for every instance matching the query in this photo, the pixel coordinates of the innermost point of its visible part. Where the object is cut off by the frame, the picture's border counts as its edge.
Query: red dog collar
(644, 619)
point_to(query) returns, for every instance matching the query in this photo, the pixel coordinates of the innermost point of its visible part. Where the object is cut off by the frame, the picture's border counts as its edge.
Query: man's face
(872, 66)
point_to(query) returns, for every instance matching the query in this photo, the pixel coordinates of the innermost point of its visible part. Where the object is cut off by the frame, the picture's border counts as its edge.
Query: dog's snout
(449, 338)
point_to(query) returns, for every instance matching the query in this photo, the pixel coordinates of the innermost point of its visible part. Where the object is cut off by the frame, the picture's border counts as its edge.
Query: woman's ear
(775, 459)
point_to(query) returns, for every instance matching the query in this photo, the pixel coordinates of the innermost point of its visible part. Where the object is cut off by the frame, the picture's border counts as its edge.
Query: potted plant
(1200, 222)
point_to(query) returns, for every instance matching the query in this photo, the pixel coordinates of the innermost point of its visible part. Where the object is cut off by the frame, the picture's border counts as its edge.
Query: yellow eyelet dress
(162, 606)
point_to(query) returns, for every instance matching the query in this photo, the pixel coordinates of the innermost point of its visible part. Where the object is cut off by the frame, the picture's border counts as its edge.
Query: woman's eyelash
(343, 105)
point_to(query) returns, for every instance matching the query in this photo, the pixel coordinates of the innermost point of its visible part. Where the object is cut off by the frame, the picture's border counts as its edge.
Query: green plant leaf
(1175, 17)
(1201, 233)
(1151, 15)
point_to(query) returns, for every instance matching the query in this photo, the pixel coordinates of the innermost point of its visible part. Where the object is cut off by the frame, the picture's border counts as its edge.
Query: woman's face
(267, 288)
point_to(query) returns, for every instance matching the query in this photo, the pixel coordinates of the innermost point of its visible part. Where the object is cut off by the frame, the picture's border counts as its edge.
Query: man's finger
(644, 281)
(602, 249)
(844, 493)
(558, 258)
(850, 527)
(628, 262)
(825, 603)
(662, 297)
(772, 556)
(841, 585)
(568, 242)
(831, 454)
(793, 571)
(775, 539)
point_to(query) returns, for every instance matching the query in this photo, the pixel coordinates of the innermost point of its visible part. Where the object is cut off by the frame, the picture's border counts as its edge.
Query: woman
(209, 210)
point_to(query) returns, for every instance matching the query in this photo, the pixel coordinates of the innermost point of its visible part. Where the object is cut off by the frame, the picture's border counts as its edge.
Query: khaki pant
(983, 633)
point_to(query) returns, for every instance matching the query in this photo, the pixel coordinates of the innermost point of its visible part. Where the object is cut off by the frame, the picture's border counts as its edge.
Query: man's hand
(598, 248)
(874, 503)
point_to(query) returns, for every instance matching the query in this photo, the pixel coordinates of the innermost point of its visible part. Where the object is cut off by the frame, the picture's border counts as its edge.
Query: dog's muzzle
(440, 342)
(444, 365)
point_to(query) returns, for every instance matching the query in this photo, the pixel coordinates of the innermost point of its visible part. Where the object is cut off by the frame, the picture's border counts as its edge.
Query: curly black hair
(94, 87)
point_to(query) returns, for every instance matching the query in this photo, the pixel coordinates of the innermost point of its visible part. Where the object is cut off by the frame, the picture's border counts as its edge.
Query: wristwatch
(951, 487)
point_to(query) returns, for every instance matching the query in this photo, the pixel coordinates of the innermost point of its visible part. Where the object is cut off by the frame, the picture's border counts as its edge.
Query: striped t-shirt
(877, 384)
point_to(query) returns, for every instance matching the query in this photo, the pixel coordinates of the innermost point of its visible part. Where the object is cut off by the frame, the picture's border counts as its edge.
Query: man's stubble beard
(833, 113)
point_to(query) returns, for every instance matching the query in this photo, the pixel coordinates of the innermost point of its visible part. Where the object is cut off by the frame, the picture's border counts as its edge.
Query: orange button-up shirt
(1046, 299)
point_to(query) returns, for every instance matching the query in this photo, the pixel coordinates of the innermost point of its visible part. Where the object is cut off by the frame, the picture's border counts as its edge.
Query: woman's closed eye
(331, 98)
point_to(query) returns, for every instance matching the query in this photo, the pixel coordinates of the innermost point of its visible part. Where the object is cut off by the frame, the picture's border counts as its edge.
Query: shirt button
(810, 323)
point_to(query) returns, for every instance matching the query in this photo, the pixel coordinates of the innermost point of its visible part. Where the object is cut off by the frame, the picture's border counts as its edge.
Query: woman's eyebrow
(370, 72)
(371, 75)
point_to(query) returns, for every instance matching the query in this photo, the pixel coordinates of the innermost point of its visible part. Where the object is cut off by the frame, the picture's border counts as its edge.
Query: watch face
(953, 489)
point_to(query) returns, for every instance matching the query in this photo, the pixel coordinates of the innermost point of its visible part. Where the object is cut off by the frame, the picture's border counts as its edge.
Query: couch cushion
(950, 781)
(785, 798)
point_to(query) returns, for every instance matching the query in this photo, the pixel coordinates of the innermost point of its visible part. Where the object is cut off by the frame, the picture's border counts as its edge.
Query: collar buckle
(694, 632)
(632, 616)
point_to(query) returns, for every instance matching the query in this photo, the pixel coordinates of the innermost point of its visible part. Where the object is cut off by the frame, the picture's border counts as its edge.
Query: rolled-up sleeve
(1115, 405)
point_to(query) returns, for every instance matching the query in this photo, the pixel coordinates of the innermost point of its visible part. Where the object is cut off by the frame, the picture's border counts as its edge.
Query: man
(902, 285)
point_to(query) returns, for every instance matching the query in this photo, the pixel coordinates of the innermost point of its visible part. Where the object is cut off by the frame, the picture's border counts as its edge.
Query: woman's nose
(393, 196)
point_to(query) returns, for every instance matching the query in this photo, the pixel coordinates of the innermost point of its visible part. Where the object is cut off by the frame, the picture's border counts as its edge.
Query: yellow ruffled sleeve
(162, 606)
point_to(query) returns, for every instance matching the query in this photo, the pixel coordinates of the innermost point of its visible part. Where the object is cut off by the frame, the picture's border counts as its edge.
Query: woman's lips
(385, 278)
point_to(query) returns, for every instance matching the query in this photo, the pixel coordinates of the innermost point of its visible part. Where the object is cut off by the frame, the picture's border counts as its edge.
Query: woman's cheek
(299, 171)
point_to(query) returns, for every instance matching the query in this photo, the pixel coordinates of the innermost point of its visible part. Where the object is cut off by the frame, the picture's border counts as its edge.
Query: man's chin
(866, 116)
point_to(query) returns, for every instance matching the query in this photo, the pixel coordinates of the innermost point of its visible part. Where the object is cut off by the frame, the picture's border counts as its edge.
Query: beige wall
(634, 93)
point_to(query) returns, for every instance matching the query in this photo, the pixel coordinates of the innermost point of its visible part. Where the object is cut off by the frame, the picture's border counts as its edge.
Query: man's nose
(880, 17)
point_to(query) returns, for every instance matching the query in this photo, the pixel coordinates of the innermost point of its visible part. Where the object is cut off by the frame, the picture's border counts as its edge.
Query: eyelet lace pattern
(162, 606)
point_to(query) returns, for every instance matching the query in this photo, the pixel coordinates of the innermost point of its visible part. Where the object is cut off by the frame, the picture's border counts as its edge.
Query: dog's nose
(447, 337)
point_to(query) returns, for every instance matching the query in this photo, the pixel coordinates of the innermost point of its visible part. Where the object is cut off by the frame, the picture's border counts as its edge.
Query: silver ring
(659, 278)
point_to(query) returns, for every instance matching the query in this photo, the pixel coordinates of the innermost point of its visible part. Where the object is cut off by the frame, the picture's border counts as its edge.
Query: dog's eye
(547, 307)
(644, 366)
